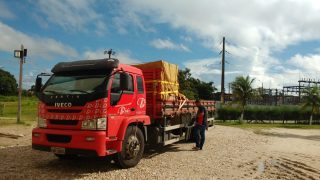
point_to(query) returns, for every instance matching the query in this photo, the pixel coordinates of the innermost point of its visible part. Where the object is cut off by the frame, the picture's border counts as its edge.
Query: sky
(277, 42)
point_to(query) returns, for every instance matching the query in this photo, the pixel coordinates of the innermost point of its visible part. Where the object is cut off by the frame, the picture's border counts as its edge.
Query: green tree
(312, 99)
(242, 90)
(186, 86)
(8, 84)
(205, 90)
(194, 88)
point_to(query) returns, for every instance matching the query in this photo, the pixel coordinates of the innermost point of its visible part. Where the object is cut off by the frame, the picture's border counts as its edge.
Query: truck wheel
(132, 148)
(66, 156)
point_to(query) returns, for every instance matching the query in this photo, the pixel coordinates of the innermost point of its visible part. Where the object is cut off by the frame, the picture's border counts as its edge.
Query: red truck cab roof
(130, 69)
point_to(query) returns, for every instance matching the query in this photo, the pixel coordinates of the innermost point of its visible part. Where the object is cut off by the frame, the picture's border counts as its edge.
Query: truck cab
(92, 108)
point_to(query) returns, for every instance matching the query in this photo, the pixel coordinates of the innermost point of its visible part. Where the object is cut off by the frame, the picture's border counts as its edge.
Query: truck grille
(58, 138)
(64, 110)
(63, 122)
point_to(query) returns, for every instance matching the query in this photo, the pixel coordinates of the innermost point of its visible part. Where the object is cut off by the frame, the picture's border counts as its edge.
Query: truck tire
(132, 148)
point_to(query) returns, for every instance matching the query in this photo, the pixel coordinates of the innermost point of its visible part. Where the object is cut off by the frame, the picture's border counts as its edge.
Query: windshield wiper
(77, 90)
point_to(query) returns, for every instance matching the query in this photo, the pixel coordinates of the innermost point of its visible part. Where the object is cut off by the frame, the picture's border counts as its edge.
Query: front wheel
(132, 148)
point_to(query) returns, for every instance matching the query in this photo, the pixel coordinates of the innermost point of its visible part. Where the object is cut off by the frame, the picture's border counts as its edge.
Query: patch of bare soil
(15, 135)
(229, 153)
(288, 154)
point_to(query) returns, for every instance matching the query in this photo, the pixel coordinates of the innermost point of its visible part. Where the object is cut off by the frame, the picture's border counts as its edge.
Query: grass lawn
(9, 108)
(267, 125)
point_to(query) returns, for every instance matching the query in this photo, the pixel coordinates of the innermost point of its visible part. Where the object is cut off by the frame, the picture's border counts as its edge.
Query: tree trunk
(310, 121)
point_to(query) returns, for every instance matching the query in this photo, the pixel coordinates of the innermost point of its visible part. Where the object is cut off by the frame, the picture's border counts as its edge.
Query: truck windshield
(75, 84)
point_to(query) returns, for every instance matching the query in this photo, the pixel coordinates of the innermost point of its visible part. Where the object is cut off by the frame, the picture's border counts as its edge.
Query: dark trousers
(199, 135)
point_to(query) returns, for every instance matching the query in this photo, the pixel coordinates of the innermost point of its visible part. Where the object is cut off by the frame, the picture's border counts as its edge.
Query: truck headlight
(94, 124)
(42, 123)
(102, 123)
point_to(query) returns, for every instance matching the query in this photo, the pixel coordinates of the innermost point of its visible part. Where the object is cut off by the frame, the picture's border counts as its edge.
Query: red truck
(102, 107)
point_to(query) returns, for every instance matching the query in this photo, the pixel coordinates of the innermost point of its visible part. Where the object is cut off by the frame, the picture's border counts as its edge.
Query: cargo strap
(181, 104)
(163, 92)
(163, 82)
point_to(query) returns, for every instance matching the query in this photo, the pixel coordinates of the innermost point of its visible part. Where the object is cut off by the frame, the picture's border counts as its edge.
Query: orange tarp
(164, 82)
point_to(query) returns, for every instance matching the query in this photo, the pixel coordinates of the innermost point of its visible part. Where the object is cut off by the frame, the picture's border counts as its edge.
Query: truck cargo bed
(162, 94)
(178, 112)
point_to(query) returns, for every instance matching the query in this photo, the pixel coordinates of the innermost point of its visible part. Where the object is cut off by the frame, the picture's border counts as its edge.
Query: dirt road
(229, 153)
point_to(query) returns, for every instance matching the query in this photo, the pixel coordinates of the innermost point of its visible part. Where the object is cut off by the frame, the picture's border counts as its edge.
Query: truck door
(141, 97)
(122, 103)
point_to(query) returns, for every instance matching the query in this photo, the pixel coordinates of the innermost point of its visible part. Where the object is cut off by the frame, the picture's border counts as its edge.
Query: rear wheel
(132, 148)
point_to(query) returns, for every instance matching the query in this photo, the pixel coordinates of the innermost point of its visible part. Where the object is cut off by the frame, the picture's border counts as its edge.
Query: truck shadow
(80, 164)
(151, 152)
(24, 163)
(21, 162)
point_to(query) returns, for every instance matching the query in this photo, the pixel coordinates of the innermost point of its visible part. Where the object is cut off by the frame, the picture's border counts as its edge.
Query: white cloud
(123, 56)
(101, 28)
(307, 63)
(167, 44)
(200, 67)
(37, 46)
(186, 38)
(270, 73)
(276, 23)
(5, 12)
(71, 15)
(209, 69)
(126, 58)
(98, 54)
(256, 29)
(128, 19)
(254, 62)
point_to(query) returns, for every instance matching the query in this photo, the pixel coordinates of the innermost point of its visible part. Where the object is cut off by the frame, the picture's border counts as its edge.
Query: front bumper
(75, 141)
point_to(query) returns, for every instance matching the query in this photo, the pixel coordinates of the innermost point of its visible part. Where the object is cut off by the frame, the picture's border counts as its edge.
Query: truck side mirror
(38, 84)
(124, 81)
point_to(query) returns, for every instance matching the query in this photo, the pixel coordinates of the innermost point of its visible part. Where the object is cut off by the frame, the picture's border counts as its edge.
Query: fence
(284, 114)
(1, 109)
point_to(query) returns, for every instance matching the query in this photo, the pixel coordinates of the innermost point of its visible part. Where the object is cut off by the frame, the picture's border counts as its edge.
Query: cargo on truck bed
(162, 91)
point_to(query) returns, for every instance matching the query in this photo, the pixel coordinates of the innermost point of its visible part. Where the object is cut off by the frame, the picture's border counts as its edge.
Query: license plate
(58, 150)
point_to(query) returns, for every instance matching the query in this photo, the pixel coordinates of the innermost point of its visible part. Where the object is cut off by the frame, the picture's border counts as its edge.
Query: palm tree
(242, 90)
(312, 98)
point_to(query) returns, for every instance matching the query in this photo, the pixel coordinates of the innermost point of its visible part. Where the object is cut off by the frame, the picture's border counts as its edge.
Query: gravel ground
(229, 153)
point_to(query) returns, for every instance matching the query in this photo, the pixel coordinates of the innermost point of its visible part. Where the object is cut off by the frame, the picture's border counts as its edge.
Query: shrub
(285, 113)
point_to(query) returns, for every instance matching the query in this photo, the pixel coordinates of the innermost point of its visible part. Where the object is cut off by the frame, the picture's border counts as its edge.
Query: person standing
(200, 126)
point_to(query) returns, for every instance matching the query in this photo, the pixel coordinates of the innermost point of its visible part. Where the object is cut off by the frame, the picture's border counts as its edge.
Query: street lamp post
(21, 54)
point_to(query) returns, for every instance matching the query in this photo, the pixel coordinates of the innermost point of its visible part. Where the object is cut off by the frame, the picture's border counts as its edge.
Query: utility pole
(21, 54)
(276, 99)
(299, 90)
(222, 70)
